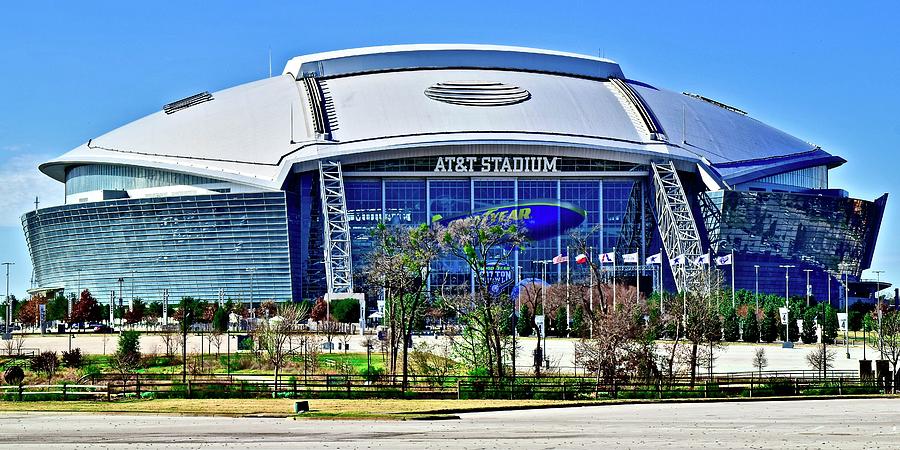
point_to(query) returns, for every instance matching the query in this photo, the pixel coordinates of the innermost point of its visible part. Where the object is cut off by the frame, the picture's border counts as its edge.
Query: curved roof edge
(744, 171)
(432, 56)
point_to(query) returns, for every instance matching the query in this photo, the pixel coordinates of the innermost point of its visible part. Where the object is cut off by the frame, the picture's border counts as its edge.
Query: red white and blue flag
(608, 257)
(581, 258)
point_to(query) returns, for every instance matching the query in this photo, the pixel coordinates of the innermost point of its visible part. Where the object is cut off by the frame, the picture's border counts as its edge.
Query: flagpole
(568, 317)
(637, 276)
(591, 288)
(732, 280)
(614, 278)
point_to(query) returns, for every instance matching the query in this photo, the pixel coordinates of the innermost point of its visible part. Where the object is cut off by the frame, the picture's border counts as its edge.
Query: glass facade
(94, 177)
(828, 235)
(411, 201)
(192, 246)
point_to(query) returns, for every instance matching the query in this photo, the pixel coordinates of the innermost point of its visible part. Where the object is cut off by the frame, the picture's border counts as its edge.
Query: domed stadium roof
(364, 101)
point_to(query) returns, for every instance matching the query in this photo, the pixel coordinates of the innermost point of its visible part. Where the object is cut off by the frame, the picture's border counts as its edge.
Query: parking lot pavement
(844, 424)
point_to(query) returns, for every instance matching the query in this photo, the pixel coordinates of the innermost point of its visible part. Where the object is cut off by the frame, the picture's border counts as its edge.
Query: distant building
(270, 189)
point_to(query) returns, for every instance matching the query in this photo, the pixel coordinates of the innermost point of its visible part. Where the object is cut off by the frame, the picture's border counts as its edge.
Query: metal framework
(338, 260)
(677, 226)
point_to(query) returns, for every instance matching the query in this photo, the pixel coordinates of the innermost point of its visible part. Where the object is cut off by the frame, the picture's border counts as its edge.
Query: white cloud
(21, 183)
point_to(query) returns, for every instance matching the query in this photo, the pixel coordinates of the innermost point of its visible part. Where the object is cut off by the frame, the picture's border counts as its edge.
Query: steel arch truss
(338, 256)
(677, 226)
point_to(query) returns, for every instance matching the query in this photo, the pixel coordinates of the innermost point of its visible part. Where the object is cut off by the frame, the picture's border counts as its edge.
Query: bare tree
(760, 361)
(273, 335)
(214, 338)
(171, 341)
(14, 345)
(821, 359)
(703, 330)
(623, 346)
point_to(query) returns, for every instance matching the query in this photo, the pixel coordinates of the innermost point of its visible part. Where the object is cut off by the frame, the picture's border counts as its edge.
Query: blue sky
(826, 72)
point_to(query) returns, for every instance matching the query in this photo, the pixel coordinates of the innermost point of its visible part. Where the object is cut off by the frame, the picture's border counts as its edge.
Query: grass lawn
(335, 409)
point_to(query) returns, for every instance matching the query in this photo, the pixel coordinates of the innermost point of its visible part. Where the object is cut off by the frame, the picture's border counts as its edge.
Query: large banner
(541, 219)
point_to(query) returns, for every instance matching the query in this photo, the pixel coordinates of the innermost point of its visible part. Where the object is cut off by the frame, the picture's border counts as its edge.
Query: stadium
(270, 190)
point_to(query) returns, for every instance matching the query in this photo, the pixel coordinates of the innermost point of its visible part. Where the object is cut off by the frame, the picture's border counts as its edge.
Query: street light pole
(787, 307)
(8, 302)
(847, 313)
(807, 286)
(756, 296)
(878, 306)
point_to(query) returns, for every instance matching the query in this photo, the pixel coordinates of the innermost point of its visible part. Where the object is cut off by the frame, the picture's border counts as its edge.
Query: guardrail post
(294, 387)
(457, 388)
(64, 391)
(841, 386)
(137, 382)
(188, 388)
(108, 391)
(21, 386)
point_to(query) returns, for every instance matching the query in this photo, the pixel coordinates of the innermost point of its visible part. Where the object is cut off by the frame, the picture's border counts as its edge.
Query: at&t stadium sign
(513, 164)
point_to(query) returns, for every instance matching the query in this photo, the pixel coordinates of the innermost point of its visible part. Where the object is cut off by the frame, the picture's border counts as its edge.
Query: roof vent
(187, 102)
(477, 93)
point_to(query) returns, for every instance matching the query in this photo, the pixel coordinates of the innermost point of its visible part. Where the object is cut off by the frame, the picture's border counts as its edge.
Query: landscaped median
(382, 409)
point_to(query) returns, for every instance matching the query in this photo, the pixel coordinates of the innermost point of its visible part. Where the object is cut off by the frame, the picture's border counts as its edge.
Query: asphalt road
(844, 424)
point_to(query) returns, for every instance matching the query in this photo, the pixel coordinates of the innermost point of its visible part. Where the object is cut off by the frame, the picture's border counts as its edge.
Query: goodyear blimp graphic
(541, 219)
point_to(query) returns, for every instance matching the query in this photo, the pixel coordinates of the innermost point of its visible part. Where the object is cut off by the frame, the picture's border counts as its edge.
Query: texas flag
(607, 257)
(630, 258)
(724, 260)
(654, 259)
(560, 258)
(581, 258)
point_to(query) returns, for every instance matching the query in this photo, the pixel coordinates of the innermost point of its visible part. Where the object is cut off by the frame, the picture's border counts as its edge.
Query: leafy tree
(769, 324)
(137, 312)
(128, 355)
(189, 312)
(319, 310)
(525, 320)
(857, 311)
(86, 309)
(808, 334)
(750, 324)
(220, 320)
(830, 331)
(578, 327)
(58, 308)
(345, 310)
(73, 359)
(730, 327)
(29, 313)
(401, 264)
